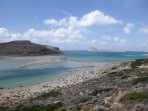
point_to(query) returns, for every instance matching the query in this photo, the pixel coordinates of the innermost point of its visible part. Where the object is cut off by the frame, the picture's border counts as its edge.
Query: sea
(11, 75)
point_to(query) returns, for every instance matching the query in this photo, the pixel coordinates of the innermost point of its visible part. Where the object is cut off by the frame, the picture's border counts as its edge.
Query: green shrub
(124, 77)
(112, 73)
(127, 70)
(53, 106)
(3, 108)
(143, 74)
(83, 100)
(113, 68)
(96, 91)
(49, 107)
(136, 63)
(47, 95)
(116, 74)
(137, 96)
(119, 74)
(140, 79)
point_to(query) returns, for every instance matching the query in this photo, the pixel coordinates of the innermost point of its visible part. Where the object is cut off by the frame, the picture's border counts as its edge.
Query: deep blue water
(13, 76)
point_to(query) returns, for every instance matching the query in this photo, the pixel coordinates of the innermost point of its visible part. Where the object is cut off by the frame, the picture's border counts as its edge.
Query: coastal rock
(26, 48)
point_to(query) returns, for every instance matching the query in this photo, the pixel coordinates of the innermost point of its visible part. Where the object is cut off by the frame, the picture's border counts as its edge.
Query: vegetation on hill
(26, 48)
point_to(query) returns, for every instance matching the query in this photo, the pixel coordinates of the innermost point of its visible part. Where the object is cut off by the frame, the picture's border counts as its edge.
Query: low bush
(137, 96)
(3, 108)
(113, 68)
(124, 77)
(83, 100)
(96, 91)
(47, 95)
(113, 73)
(140, 79)
(49, 107)
(135, 64)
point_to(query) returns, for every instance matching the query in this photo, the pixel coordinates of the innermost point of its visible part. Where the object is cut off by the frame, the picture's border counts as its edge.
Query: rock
(117, 107)
(100, 108)
(72, 108)
(106, 100)
(98, 95)
(86, 108)
(26, 48)
(81, 94)
(140, 107)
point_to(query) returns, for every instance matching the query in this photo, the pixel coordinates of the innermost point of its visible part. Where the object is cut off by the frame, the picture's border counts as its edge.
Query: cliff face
(26, 48)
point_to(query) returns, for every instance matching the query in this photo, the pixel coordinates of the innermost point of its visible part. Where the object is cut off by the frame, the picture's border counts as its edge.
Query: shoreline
(21, 93)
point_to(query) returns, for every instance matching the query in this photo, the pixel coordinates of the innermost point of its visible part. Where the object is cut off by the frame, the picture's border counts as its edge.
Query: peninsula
(26, 48)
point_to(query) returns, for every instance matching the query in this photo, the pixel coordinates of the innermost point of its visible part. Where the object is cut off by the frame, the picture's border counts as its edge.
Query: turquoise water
(13, 76)
(104, 56)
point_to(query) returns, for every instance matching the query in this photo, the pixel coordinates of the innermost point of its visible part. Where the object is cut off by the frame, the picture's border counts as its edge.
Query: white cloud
(66, 30)
(72, 28)
(4, 33)
(112, 39)
(98, 18)
(50, 22)
(60, 35)
(119, 40)
(93, 18)
(144, 30)
(127, 29)
(108, 38)
(94, 40)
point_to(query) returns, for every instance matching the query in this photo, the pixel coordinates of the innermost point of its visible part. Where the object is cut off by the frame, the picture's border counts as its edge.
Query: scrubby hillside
(121, 88)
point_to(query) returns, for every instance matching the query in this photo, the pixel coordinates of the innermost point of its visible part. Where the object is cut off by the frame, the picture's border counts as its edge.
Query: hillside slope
(26, 48)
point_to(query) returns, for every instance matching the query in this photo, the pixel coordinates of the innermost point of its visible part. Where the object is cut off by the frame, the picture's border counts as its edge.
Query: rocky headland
(26, 48)
(121, 86)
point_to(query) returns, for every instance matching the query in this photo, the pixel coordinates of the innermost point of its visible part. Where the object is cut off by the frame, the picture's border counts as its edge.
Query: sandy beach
(102, 86)
(13, 95)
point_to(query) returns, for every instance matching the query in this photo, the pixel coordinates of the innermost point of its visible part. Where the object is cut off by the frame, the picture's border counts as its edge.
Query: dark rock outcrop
(26, 48)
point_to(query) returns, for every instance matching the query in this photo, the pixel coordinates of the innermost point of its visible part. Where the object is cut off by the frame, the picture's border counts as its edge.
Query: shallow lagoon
(11, 75)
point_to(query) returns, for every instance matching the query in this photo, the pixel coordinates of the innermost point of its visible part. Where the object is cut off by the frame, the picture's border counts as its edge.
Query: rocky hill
(93, 49)
(26, 48)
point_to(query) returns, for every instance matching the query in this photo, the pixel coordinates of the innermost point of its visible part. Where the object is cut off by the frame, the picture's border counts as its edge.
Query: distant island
(93, 49)
(26, 48)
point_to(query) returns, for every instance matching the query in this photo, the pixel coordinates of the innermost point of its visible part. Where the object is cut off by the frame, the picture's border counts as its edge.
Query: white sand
(18, 94)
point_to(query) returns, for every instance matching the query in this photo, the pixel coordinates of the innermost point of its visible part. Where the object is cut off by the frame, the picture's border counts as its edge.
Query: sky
(77, 24)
